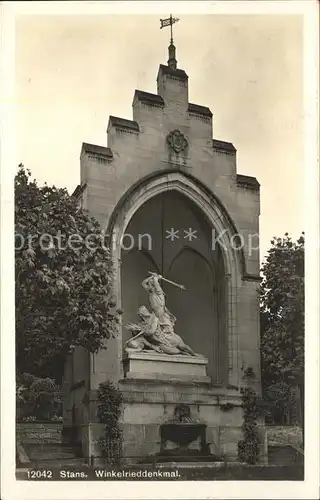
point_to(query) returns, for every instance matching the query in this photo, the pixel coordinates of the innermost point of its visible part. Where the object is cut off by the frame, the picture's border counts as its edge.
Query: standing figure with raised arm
(157, 299)
(162, 319)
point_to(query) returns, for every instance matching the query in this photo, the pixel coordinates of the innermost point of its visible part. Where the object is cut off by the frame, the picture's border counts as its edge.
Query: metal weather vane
(169, 21)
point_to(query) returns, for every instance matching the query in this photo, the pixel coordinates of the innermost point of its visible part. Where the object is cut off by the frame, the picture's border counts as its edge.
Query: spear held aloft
(169, 281)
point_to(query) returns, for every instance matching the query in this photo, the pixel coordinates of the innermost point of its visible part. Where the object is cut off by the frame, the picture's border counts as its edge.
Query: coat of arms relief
(177, 141)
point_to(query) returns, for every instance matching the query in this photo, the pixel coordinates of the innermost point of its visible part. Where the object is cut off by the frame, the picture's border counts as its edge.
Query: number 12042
(39, 474)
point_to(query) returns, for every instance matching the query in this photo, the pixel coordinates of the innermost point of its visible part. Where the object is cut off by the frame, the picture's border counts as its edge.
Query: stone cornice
(95, 149)
(248, 181)
(251, 277)
(199, 110)
(223, 146)
(147, 98)
(79, 190)
(123, 124)
(179, 74)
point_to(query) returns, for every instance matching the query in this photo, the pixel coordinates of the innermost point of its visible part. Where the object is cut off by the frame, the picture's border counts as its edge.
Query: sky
(72, 72)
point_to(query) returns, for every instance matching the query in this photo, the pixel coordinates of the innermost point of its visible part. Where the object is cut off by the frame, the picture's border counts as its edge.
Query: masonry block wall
(138, 148)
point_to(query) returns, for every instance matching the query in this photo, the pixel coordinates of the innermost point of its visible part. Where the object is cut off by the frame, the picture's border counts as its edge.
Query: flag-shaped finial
(169, 21)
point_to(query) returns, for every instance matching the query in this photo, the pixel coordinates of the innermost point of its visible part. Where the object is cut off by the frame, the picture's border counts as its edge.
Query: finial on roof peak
(172, 61)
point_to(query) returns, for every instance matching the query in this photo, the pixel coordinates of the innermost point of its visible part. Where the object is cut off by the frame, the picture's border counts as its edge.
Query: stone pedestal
(148, 365)
(148, 404)
(155, 384)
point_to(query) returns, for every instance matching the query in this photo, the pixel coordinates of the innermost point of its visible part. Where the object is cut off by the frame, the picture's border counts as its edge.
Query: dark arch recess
(193, 250)
(145, 252)
(154, 175)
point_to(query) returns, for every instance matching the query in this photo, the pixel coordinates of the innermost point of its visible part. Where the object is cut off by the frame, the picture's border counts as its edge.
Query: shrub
(248, 447)
(109, 411)
(36, 398)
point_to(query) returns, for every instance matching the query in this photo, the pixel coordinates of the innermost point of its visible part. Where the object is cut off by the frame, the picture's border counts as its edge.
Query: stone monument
(170, 197)
(155, 350)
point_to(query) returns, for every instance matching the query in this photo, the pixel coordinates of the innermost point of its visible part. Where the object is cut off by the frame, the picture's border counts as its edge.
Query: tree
(282, 316)
(63, 279)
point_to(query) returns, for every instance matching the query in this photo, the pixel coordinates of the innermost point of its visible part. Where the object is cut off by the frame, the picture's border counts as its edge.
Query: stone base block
(145, 365)
(148, 403)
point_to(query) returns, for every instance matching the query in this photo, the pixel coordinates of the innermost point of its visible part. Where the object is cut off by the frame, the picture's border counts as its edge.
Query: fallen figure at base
(155, 337)
(155, 331)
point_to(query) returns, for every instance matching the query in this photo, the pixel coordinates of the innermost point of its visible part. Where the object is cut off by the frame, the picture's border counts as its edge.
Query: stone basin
(182, 433)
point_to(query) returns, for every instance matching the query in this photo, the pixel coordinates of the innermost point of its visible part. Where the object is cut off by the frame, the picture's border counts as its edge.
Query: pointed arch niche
(141, 242)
